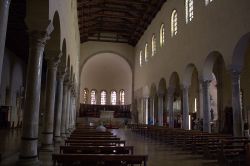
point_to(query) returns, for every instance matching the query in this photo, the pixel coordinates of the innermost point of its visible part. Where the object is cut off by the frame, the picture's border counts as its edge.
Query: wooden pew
(95, 159)
(93, 138)
(95, 142)
(233, 151)
(91, 133)
(97, 149)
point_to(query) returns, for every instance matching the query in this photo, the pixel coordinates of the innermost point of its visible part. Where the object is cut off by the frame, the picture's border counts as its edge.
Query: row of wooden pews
(87, 147)
(226, 149)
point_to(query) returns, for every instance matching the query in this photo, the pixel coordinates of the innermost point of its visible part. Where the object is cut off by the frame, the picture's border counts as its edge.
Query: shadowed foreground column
(28, 150)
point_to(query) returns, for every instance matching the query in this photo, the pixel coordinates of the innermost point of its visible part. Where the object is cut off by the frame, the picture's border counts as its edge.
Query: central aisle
(159, 153)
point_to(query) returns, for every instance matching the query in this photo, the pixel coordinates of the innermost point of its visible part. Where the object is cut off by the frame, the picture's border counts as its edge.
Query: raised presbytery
(124, 82)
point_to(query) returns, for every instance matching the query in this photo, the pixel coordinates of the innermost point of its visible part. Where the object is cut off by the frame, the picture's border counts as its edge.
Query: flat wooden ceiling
(122, 21)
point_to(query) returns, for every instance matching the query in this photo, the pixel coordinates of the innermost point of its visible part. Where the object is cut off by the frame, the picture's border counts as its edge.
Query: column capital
(53, 58)
(185, 87)
(171, 91)
(61, 74)
(205, 83)
(41, 36)
(235, 75)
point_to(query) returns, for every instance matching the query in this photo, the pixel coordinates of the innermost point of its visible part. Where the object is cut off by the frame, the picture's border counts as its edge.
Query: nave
(159, 153)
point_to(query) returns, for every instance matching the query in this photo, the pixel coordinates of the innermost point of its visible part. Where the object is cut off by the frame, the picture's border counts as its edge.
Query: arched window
(153, 45)
(122, 97)
(85, 96)
(140, 58)
(207, 2)
(146, 52)
(113, 97)
(93, 97)
(162, 35)
(189, 10)
(103, 97)
(174, 24)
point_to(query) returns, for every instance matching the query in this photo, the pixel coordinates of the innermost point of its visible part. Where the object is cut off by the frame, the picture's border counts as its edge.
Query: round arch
(103, 52)
(240, 52)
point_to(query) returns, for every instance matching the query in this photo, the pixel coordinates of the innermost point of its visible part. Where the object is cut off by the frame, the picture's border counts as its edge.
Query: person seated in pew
(101, 128)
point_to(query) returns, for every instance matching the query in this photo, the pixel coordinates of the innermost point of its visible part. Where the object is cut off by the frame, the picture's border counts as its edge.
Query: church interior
(124, 82)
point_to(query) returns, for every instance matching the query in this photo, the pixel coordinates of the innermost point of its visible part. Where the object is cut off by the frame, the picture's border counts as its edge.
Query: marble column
(160, 109)
(206, 106)
(53, 58)
(64, 107)
(146, 109)
(4, 14)
(170, 106)
(29, 142)
(59, 103)
(236, 104)
(185, 113)
(151, 115)
(68, 109)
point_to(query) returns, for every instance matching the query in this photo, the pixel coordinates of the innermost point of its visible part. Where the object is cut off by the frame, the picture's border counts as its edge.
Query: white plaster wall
(88, 49)
(67, 10)
(216, 27)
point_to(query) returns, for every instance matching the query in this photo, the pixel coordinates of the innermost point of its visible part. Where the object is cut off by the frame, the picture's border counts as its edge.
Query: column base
(28, 162)
(47, 148)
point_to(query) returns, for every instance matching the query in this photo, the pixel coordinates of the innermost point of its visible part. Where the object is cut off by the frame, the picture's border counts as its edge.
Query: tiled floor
(159, 153)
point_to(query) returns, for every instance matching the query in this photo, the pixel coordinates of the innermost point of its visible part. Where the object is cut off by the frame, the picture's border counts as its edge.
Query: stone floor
(159, 153)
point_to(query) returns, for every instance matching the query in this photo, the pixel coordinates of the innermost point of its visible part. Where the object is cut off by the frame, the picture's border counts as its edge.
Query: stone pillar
(73, 111)
(4, 14)
(59, 103)
(170, 106)
(68, 109)
(151, 116)
(28, 150)
(48, 120)
(64, 108)
(185, 113)
(160, 109)
(206, 106)
(236, 104)
(146, 109)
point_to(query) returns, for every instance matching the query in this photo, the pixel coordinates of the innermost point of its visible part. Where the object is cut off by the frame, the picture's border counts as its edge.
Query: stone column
(236, 104)
(28, 150)
(151, 116)
(4, 14)
(59, 103)
(185, 113)
(170, 106)
(206, 106)
(160, 109)
(64, 107)
(48, 120)
(68, 109)
(146, 110)
(73, 111)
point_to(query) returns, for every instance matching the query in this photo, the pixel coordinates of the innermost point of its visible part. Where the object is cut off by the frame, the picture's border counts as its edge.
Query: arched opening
(192, 83)
(241, 64)
(153, 105)
(175, 101)
(161, 114)
(219, 91)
